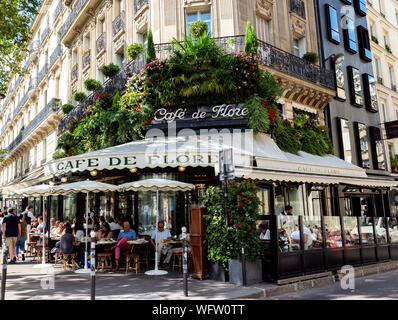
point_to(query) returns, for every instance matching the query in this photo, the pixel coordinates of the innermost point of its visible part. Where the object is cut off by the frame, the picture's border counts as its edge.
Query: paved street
(24, 283)
(376, 287)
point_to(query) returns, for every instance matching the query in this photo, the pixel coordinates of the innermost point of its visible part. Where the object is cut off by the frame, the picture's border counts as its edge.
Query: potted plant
(375, 40)
(311, 57)
(79, 96)
(110, 70)
(394, 163)
(133, 50)
(66, 108)
(92, 84)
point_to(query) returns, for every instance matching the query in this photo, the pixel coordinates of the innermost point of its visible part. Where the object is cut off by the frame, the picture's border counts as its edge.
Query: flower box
(254, 271)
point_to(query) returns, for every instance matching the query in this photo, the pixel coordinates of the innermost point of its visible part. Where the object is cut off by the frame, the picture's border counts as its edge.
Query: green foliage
(257, 119)
(133, 50)
(150, 50)
(394, 161)
(79, 96)
(251, 42)
(92, 84)
(66, 108)
(374, 39)
(388, 49)
(311, 57)
(16, 17)
(242, 208)
(110, 70)
(285, 137)
(198, 28)
(268, 88)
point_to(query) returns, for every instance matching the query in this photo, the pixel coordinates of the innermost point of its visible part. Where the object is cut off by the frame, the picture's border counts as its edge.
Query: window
(119, 7)
(339, 72)
(44, 154)
(193, 16)
(345, 140)
(103, 25)
(378, 71)
(364, 44)
(363, 145)
(392, 77)
(383, 108)
(379, 161)
(299, 47)
(386, 41)
(119, 59)
(350, 41)
(360, 7)
(370, 92)
(381, 6)
(355, 86)
(332, 24)
(396, 18)
(347, 1)
(86, 42)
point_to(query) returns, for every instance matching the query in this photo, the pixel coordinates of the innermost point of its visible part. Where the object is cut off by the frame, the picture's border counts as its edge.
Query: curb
(272, 290)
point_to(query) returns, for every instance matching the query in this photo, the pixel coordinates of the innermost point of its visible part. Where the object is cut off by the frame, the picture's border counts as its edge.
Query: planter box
(217, 272)
(254, 271)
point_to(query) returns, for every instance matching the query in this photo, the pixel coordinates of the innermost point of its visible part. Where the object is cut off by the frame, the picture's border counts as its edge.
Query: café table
(143, 250)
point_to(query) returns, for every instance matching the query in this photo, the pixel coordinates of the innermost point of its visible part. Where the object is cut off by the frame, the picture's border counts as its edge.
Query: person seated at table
(90, 223)
(178, 250)
(105, 231)
(78, 232)
(60, 231)
(68, 242)
(122, 246)
(160, 235)
(53, 226)
(101, 220)
(40, 226)
(113, 225)
(264, 232)
(96, 229)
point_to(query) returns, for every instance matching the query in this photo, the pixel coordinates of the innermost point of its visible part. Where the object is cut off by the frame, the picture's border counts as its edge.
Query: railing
(118, 23)
(100, 43)
(32, 84)
(52, 106)
(55, 55)
(18, 81)
(111, 86)
(16, 142)
(43, 72)
(57, 11)
(73, 74)
(44, 34)
(27, 63)
(86, 59)
(138, 4)
(20, 105)
(394, 87)
(268, 56)
(34, 46)
(298, 7)
(72, 16)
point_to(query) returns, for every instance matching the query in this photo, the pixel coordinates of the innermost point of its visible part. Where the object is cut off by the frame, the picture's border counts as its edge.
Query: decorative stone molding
(189, 3)
(86, 74)
(141, 21)
(119, 45)
(100, 61)
(264, 9)
(298, 26)
(90, 12)
(108, 4)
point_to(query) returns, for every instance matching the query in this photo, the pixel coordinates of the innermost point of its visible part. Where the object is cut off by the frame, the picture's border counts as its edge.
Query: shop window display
(367, 233)
(351, 231)
(333, 232)
(381, 232)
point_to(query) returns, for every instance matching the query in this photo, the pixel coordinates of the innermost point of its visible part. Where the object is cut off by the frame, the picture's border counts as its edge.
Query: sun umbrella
(36, 191)
(86, 186)
(156, 185)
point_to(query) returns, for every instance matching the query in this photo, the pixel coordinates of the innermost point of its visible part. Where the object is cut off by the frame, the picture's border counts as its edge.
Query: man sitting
(125, 235)
(160, 236)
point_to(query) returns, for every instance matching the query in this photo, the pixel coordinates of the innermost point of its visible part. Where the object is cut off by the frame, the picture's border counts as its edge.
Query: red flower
(239, 204)
(250, 227)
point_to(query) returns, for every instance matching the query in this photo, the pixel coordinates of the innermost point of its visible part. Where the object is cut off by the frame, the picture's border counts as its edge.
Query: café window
(363, 145)
(349, 36)
(379, 160)
(289, 194)
(340, 83)
(345, 141)
(354, 81)
(360, 7)
(351, 231)
(312, 231)
(332, 24)
(364, 44)
(366, 227)
(333, 232)
(370, 92)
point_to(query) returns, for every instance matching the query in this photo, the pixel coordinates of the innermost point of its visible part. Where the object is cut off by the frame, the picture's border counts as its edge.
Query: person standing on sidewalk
(20, 245)
(11, 232)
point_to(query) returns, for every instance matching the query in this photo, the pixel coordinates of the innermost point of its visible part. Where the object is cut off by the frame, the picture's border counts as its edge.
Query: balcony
(298, 7)
(86, 60)
(100, 43)
(72, 16)
(44, 35)
(32, 87)
(34, 48)
(27, 64)
(138, 4)
(15, 143)
(20, 105)
(73, 74)
(55, 55)
(118, 24)
(18, 81)
(43, 72)
(57, 11)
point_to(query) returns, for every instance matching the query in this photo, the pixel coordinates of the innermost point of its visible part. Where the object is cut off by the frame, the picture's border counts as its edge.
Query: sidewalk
(25, 283)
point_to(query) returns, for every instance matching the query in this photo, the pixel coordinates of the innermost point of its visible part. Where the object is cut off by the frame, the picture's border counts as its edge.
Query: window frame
(359, 144)
(342, 88)
(375, 138)
(364, 44)
(351, 83)
(358, 5)
(329, 30)
(341, 140)
(368, 81)
(198, 11)
(348, 40)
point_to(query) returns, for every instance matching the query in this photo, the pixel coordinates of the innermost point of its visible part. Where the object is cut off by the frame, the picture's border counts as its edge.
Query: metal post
(92, 254)
(184, 261)
(244, 282)
(4, 271)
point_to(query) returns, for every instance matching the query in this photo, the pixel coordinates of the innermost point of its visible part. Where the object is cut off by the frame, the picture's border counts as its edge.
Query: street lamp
(336, 58)
(226, 168)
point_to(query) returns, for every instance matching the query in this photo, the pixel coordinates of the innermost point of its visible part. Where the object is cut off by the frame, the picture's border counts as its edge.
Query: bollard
(244, 282)
(4, 271)
(92, 273)
(184, 260)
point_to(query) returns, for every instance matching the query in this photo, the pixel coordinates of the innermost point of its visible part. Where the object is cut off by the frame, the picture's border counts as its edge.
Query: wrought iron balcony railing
(43, 72)
(18, 81)
(72, 16)
(86, 59)
(58, 10)
(100, 43)
(111, 86)
(52, 106)
(73, 74)
(138, 4)
(298, 7)
(118, 23)
(15, 142)
(27, 63)
(20, 105)
(55, 55)
(32, 84)
(44, 34)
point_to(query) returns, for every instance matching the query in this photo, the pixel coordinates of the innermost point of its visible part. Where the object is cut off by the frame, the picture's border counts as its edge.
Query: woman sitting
(96, 229)
(105, 231)
(60, 231)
